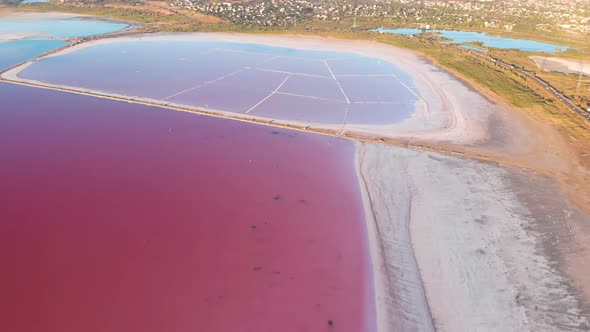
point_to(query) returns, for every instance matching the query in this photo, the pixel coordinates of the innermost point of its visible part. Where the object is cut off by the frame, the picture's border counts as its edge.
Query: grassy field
(566, 84)
(508, 85)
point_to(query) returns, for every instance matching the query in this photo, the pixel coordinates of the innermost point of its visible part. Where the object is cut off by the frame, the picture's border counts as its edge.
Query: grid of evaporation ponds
(287, 84)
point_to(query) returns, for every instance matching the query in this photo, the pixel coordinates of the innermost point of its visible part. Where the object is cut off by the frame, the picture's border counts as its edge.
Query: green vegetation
(506, 83)
(146, 17)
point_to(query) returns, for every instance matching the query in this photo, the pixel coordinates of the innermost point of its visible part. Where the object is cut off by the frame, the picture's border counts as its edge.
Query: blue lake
(16, 51)
(33, 1)
(490, 41)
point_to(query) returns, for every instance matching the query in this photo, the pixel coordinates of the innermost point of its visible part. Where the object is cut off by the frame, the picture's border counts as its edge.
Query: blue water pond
(41, 34)
(486, 40)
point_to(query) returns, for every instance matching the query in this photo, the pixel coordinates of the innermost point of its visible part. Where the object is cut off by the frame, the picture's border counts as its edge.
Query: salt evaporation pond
(41, 32)
(15, 52)
(490, 41)
(306, 86)
(59, 27)
(124, 217)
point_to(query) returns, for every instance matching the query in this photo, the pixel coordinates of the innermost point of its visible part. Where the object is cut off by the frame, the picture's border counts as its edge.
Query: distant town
(569, 15)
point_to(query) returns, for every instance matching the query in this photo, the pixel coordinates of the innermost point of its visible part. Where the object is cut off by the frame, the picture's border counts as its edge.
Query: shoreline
(467, 112)
(484, 246)
(230, 242)
(440, 116)
(405, 142)
(465, 128)
(400, 304)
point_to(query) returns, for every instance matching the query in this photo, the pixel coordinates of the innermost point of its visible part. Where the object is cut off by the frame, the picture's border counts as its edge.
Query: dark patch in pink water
(123, 217)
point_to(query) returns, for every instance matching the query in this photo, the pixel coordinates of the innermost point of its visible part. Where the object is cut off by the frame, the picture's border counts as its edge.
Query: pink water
(122, 217)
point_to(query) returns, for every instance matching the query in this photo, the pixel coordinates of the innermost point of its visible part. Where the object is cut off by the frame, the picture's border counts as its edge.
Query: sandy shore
(399, 292)
(9, 36)
(464, 249)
